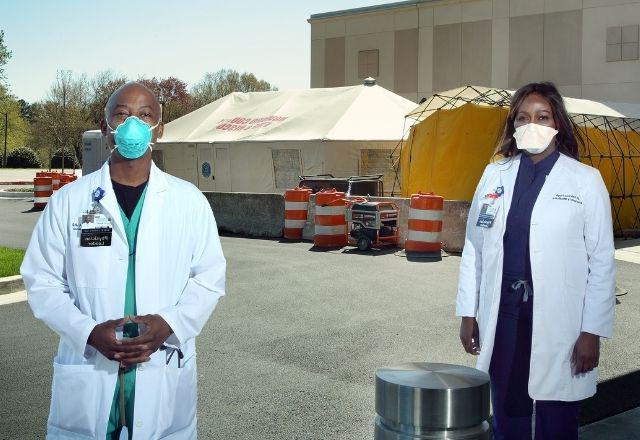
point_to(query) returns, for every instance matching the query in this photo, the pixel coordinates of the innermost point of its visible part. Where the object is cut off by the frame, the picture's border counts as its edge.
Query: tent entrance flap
(447, 152)
(222, 168)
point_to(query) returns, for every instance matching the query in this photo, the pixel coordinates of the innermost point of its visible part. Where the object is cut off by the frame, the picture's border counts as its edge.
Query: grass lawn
(10, 260)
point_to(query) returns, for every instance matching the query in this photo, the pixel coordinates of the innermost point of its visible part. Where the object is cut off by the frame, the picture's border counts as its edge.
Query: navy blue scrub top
(531, 177)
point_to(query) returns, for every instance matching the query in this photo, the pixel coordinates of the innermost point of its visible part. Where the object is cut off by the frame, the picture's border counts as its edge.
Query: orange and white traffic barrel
(41, 191)
(55, 181)
(296, 204)
(64, 179)
(330, 219)
(424, 235)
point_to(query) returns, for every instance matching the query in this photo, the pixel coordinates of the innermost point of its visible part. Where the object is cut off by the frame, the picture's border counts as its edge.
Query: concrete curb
(11, 284)
(15, 195)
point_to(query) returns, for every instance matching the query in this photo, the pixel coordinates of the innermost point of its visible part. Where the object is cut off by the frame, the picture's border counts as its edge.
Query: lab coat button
(139, 424)
(140, 367)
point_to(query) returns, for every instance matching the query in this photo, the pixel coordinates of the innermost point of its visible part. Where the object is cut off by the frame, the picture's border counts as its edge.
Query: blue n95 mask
(132, 137)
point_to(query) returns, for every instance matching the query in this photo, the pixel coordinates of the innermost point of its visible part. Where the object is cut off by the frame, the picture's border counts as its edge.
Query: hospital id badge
(95, 230)
(487, 215)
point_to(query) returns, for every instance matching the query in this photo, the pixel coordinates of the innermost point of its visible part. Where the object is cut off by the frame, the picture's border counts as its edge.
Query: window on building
(623, 43)
(368, 63)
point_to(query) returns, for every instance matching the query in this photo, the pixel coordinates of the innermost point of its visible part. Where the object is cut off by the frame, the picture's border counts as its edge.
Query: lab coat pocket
(74, 399)
(178, 397)
(91, 266)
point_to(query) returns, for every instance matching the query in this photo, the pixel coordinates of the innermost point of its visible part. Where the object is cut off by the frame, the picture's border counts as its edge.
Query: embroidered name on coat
(568, 197)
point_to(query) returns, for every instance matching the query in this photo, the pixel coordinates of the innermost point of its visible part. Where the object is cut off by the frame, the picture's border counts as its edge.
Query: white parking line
(631, 256)
(10, 298)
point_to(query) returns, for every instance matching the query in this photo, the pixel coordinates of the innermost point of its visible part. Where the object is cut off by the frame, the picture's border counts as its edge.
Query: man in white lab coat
(128, 292)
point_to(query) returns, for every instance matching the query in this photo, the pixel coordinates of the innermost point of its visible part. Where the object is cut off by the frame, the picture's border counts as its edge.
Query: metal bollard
(431, 401)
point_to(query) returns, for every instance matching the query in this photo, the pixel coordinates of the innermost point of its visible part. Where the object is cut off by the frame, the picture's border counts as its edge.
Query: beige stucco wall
(617, 81)
(436, 45)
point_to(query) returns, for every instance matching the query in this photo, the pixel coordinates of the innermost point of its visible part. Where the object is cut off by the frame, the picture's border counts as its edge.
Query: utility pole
(6, 130)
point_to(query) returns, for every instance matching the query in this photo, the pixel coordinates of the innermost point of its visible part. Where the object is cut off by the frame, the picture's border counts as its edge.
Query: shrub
(23, 157)
(70, 159)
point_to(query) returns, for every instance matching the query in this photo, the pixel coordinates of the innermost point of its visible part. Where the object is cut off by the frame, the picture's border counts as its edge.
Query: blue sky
(160, 38)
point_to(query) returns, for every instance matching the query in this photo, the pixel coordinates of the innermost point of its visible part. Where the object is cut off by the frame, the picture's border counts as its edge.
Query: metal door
(206, 168)
(223, 172)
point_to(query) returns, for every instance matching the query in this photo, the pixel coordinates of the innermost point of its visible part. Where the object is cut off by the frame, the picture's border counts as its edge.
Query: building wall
(437, 45)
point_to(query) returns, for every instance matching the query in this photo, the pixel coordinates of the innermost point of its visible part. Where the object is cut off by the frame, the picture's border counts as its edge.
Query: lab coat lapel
(148, 243)
(508, 174)
(109, 203)
(552, 181)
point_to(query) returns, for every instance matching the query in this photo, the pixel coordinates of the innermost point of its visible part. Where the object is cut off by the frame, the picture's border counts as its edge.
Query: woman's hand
(470, 335)
(586, 353)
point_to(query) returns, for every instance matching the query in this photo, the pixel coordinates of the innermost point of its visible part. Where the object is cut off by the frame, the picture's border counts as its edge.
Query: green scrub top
(130, 330)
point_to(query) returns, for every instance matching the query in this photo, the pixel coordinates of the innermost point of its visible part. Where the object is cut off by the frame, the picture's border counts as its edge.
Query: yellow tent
(454, 135)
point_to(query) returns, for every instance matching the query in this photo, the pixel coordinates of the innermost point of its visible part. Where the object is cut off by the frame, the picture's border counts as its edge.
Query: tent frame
(605, 125)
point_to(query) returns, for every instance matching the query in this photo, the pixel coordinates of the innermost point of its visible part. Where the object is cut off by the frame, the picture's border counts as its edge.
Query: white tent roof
(363, 113)
(491, 96)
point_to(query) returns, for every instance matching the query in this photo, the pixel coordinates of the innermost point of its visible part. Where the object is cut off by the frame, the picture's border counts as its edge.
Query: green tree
(13, 128)
(172, 94)
(17, 128)
(101, 86)
(215, 85)
(61, 118)
(5, 56)
(25, 110)
(23, 157)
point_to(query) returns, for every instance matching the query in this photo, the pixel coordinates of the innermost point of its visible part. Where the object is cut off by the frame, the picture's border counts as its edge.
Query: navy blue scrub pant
(509, 373)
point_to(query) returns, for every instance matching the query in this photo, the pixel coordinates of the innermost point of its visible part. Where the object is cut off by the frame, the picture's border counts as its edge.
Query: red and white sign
(241, 124)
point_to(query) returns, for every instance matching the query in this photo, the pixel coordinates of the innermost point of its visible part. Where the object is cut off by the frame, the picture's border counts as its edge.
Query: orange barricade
(41, 191)
(66, 178)
(425, 223)
(330, 220)
(55, 181)
(296, 203)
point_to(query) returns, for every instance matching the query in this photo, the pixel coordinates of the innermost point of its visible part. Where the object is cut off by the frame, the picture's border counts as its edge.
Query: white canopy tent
(262, 141)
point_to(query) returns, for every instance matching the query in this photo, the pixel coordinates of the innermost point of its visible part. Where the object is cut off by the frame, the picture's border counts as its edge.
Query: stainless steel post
(431, 401)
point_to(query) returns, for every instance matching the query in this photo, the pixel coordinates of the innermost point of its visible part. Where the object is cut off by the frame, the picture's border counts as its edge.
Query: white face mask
(534, 138)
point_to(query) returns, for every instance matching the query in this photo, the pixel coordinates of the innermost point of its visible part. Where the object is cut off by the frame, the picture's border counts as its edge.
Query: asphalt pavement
(17, 219)
(291, 351)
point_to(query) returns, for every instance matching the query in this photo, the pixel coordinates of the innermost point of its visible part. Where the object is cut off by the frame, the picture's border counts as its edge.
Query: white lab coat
(572, 265)
(180, 274)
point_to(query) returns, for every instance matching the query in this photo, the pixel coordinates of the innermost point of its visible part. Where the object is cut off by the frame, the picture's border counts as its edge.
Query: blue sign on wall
(206, 169)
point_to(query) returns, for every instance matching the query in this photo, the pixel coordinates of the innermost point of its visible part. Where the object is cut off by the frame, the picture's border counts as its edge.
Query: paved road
(291, 352)
(17, 219)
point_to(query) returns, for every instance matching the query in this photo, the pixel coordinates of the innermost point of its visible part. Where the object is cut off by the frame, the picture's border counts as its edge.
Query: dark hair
(568, 140)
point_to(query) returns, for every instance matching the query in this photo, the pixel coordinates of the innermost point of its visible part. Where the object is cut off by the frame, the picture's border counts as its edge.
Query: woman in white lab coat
(537, 274)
